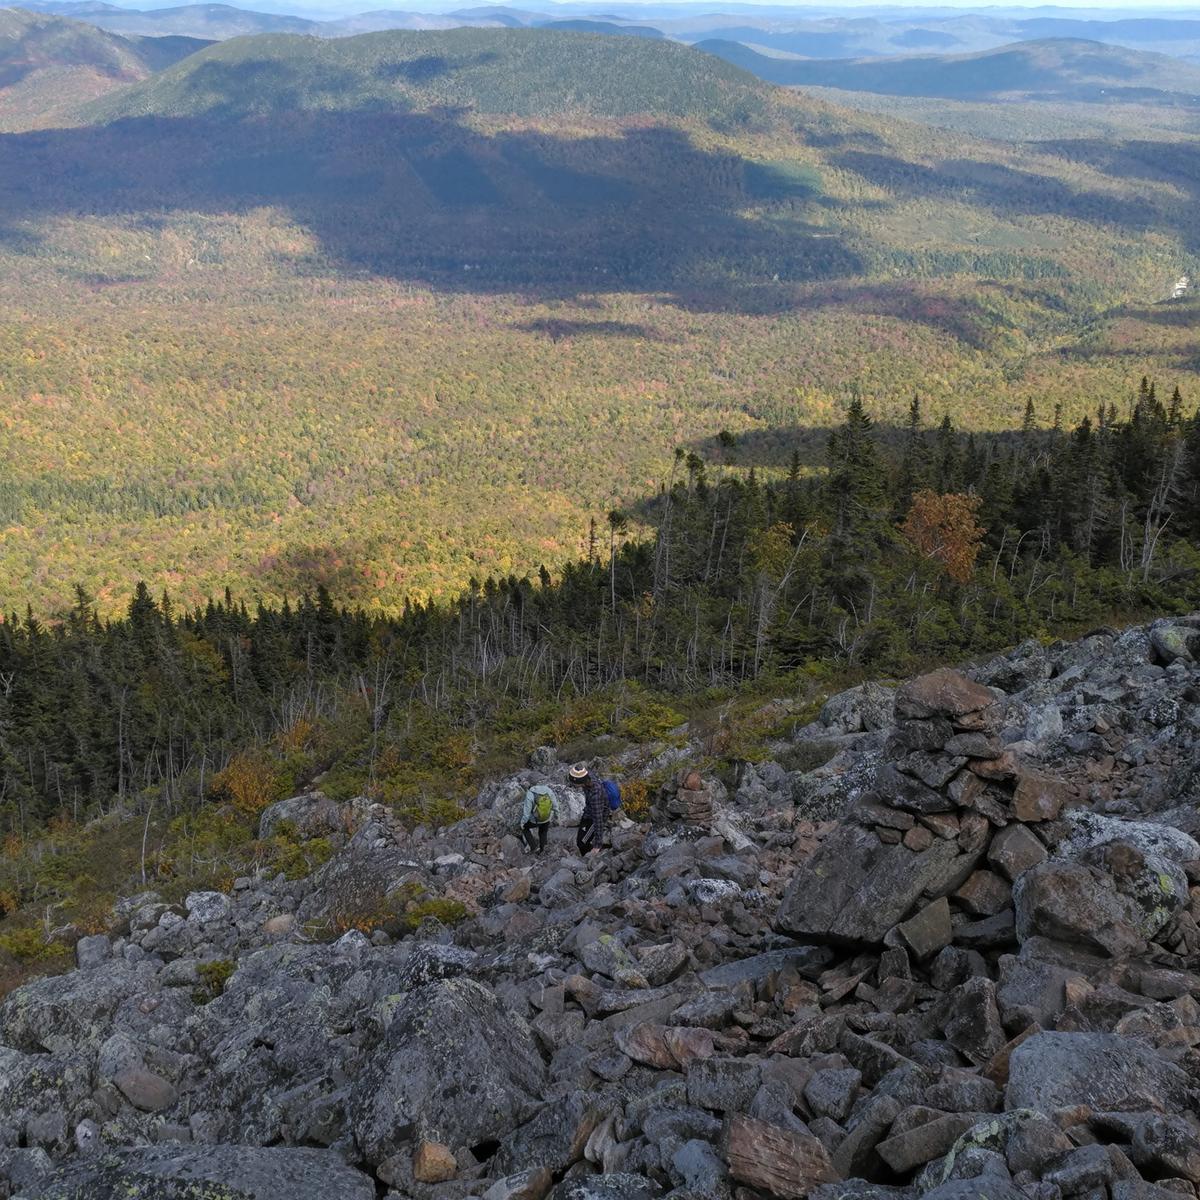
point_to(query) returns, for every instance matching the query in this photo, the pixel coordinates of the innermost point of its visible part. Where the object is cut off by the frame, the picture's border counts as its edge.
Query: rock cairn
(952, 842)
(689, 799)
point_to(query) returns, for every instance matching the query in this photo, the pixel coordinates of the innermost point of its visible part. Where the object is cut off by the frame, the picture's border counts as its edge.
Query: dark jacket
(595, 803)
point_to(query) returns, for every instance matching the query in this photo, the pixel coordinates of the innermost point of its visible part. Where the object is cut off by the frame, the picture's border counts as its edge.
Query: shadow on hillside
(423, 197)
(1001, 188)
(1175, 163)
(559, 330)
(12, 73)
(430, 67)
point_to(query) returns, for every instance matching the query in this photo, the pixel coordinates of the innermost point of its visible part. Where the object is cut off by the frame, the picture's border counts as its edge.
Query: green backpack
(544, 806)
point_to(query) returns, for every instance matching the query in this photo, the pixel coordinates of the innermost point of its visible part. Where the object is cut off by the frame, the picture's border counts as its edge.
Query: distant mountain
(212, 22)
(609, 27)
(851, 34)
(932, 31)
(71, 8)
(521, 72)
(386, 18)
(1057, 69)
(510, 18)
(51, 66)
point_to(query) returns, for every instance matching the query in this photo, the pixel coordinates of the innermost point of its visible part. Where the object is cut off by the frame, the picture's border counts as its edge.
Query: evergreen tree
(948, 463)
(914, 461)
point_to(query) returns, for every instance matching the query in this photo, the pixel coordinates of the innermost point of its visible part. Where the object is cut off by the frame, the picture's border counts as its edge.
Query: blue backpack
(614, 795)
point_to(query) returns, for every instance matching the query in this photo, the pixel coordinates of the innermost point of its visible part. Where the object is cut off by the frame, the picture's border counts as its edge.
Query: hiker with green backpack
(541, 807)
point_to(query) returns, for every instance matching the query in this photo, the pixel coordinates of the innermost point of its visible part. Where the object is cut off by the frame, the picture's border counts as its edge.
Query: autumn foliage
(943, 528)
(250, 782)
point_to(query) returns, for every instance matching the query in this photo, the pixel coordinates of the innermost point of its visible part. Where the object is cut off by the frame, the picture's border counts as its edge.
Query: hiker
(595, 809)
(541, 807)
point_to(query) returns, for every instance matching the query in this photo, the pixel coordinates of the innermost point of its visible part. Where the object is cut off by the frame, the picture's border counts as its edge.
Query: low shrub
(213, 978)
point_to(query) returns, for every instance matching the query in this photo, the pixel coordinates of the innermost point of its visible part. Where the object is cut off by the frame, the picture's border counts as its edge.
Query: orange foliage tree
(250, 782)
(943, 528)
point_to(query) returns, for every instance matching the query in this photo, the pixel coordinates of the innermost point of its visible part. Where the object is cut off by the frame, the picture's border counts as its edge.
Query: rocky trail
(960, 959)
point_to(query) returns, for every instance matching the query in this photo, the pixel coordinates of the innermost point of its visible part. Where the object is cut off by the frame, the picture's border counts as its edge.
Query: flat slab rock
(182, 1172)
(944, 692)
(855, 888)
(1105, 1071)
(808, 961)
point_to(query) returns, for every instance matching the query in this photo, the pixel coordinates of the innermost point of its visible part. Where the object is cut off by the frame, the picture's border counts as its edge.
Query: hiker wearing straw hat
(595, 809)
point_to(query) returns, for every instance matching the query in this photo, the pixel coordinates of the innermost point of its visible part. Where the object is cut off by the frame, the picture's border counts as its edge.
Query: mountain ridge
(519, 72)
(1053, 69)
(50, 66)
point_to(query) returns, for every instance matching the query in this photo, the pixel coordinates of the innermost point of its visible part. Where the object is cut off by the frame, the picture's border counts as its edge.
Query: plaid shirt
(595, 803)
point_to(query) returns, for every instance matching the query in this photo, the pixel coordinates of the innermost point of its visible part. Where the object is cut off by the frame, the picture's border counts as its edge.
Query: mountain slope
(1055, 69)
(50, 66)
(520, 72)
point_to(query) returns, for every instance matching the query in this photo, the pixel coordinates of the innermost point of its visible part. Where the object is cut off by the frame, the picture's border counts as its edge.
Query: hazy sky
(648, 9)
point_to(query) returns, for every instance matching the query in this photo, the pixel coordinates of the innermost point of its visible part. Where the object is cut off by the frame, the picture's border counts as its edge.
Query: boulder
(1101, 1070)
(1074, 903)
(92, 951)
(984, 894)
(433, 1163)
(524, 1185)
(207, 908)
(1045, 724)
(863, 708)
(1088, 829)
(699, 1170)
(144, 1089)
(311, 815)
(929, 930)
(208, 1173)
(855, 888)
(906, 1150)
(723, 1084)
(941, 693)
(74, 1011)
(1038, 797)
(618, 1185)
(832, 1092)
(807, 961)
(554, 1138)
(454, 1066)
(1014, 850)
(974, 1027)
(1157, 886)
(777, 1161)
(1174, 643)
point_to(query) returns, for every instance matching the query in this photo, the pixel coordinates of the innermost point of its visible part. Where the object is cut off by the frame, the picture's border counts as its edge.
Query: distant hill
(1055, 69)
(928, 32)
(386, 18)
(519, 72)
(212, 22)
(776, 28)
(50, 66)
(609, 27)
